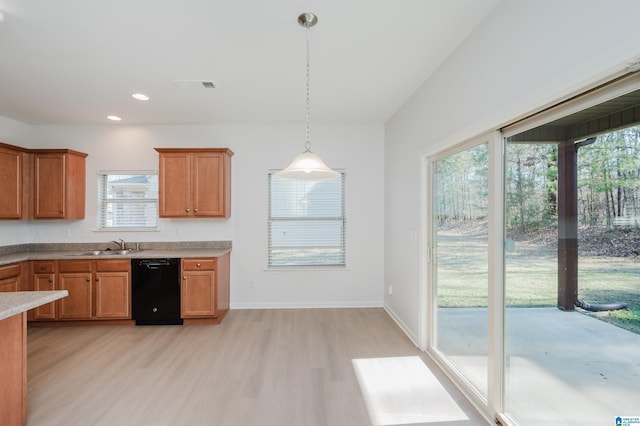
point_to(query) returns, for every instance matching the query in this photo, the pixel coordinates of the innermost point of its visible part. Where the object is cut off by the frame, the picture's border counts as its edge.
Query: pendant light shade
(308, 166)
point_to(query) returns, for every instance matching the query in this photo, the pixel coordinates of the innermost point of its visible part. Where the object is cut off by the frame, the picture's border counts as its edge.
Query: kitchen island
(13, 350)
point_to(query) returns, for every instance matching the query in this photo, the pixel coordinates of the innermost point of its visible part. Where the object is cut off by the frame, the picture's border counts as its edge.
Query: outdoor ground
(609, 270)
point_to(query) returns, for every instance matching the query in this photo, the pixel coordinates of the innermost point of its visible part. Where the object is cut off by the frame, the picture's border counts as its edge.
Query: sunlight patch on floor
(402, 390)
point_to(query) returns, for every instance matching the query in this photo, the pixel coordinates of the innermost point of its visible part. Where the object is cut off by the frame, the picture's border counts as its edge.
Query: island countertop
(13, 303)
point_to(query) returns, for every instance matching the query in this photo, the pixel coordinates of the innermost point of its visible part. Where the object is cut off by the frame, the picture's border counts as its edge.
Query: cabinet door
(209, 184)
(10, 284)
(49, 173)
(45, 282)
(175, 185)
(78, 304)
(113, 295)
(198, 294)
(11, 188)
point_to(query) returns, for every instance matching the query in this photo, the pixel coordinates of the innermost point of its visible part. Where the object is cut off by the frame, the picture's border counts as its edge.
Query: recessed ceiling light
(114, 118)
(140, 96)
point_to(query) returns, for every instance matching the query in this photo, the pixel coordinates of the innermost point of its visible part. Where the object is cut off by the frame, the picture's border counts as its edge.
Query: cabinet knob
(195, 210)
(42, 268)
(184, 278)
(97, 279)
(61, 211)
(186, 210)
(88, 279)
(197, 265)
(50, 280)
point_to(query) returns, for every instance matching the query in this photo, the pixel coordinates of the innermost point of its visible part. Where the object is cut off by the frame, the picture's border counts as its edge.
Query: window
(127, 201)
(306, 222)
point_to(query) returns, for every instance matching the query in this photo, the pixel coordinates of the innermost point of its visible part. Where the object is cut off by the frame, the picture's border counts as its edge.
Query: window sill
(306, 269)
(127, 230)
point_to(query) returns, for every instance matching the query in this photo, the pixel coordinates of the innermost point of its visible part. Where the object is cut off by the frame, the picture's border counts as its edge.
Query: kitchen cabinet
(13, 170)
(198, 290)
(195, 182)
(98, 289)
(44, 280)
(75, 276)
(10, 277)
(59, 184)
(205, 288)
(113, 289)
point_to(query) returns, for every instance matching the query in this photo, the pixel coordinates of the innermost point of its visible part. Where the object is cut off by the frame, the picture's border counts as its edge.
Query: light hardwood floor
(259, 367)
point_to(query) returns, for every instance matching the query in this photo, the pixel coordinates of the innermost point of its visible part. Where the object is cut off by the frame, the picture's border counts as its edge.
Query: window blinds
(307, 222)
(128, 201)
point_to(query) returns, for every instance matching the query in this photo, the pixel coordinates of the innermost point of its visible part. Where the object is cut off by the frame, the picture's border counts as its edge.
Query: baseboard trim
(305, 305)
(406, 330)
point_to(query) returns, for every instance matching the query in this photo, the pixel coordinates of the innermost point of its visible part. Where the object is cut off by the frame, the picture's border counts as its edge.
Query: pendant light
(308, 166)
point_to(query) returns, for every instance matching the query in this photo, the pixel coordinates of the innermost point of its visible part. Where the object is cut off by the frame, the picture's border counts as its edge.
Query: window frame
(102, 201)
(342, 219)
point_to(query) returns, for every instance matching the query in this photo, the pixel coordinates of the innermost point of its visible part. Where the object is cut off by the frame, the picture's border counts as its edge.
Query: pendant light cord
(307, 143)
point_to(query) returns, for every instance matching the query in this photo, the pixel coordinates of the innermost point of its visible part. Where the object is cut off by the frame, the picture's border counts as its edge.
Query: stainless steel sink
(101, 253)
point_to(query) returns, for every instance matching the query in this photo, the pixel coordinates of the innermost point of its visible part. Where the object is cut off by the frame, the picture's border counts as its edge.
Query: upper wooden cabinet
(59, 184)
(41, 183)
(13, 169)
(195, 182)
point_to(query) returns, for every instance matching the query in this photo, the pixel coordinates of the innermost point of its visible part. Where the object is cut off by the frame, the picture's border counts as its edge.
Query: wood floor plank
(259, 367)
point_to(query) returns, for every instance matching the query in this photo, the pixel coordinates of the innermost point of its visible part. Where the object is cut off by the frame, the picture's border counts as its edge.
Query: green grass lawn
(531, 278)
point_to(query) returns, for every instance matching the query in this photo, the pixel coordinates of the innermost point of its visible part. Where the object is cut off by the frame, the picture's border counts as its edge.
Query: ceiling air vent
(196, 84)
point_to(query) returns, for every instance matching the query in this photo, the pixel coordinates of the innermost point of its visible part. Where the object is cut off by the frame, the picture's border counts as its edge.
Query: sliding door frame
(493, 402)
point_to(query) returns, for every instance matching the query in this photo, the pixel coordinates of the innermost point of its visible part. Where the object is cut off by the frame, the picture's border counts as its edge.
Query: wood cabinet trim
(195, 150)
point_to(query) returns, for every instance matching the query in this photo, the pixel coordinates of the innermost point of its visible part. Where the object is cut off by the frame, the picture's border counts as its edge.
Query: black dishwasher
(155, 291)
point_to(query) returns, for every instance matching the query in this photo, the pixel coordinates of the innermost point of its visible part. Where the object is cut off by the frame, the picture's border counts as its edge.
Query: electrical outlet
(390, 289)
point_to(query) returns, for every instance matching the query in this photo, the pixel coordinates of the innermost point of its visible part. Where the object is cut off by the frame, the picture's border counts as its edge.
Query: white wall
(357, 148)
(13, 231)
(525, 55)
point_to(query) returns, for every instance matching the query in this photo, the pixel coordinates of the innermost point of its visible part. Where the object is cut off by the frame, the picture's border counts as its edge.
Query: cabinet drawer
(119, 265)
(74, 266)
(9, 271)
(43, 267)
(198, 264)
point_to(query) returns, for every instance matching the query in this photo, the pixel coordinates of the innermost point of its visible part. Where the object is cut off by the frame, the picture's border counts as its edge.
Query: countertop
(75, 251)
(13, 303)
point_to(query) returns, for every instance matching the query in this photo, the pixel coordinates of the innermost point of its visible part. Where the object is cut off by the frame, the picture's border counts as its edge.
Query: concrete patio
(562, 368)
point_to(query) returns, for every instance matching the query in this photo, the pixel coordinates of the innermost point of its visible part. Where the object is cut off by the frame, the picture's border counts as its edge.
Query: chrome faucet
(121, 243)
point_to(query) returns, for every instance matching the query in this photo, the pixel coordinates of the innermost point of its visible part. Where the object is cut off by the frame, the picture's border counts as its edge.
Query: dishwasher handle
(155, 263)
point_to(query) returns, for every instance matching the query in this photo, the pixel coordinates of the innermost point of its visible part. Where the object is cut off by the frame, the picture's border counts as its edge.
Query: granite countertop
(13, 303)
(82, 251)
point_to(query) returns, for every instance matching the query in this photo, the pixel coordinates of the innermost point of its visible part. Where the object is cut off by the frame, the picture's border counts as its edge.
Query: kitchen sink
(101, 253)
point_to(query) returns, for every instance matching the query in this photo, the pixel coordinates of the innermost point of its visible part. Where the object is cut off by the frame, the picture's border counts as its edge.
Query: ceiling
(77, 61)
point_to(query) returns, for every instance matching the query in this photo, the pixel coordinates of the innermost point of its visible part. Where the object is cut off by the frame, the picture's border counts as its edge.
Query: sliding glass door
(459, 247)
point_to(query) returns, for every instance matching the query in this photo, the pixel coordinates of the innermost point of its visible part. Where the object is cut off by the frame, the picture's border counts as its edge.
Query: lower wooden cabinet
(113, 289)
(10, 277)
(98, 289)
(44, 279)
(205, 287)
